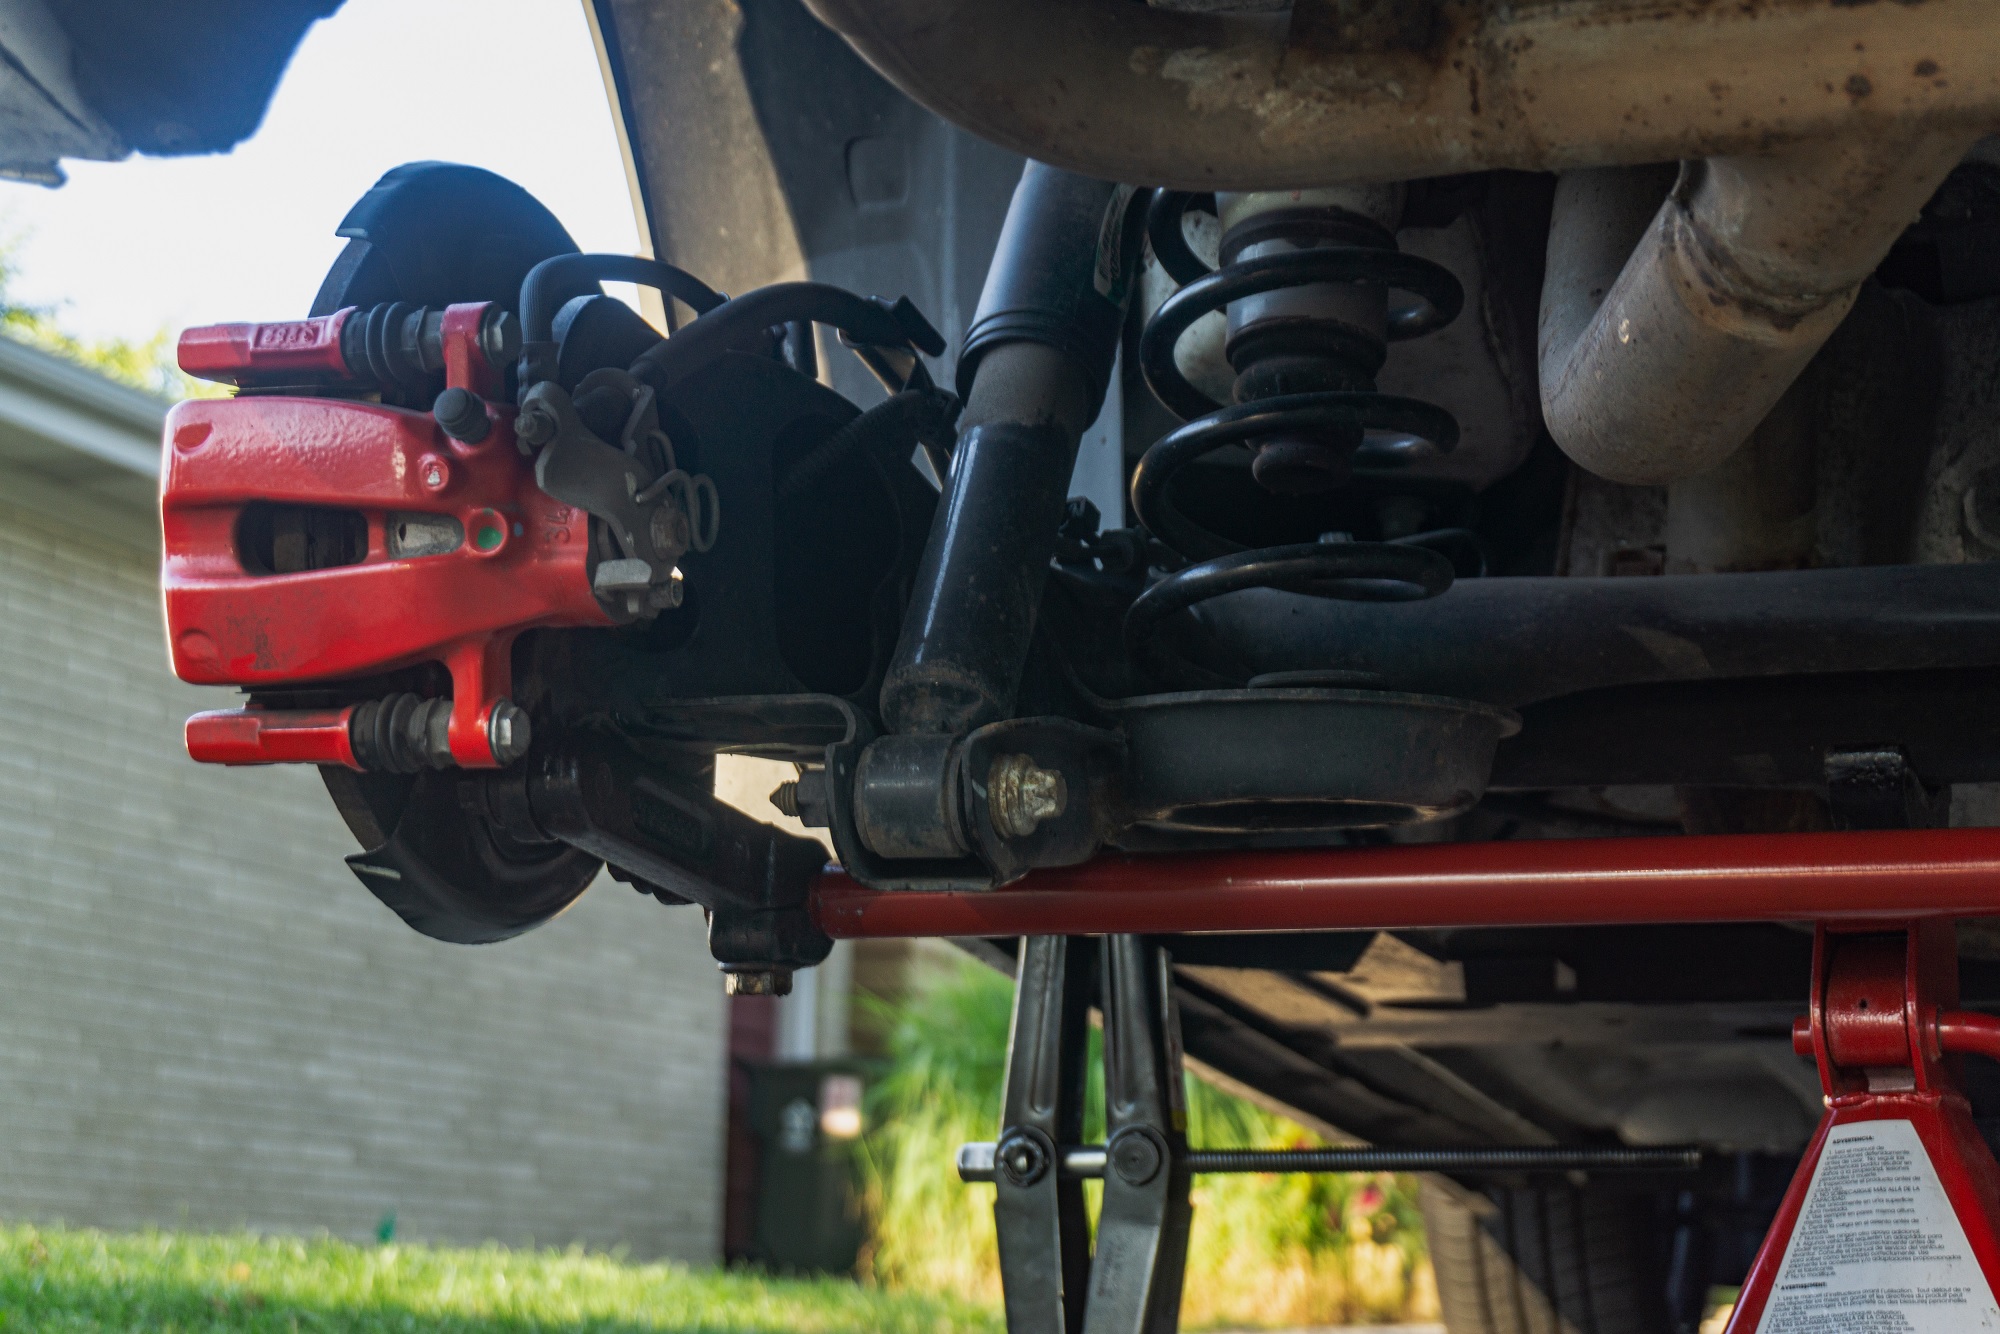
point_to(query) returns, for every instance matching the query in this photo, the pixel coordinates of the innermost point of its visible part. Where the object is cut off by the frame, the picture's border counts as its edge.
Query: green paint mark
(488, 538)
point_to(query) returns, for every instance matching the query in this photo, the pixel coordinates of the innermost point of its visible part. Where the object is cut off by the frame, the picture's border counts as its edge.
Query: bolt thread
(1443, 1160)
(982, 1162)
(786, 798)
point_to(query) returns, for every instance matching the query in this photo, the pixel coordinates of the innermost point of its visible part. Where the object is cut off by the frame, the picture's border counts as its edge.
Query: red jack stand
(1893, 1221)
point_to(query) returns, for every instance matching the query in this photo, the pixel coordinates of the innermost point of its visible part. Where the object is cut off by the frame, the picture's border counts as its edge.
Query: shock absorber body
(1034, 371)
(1314, 291)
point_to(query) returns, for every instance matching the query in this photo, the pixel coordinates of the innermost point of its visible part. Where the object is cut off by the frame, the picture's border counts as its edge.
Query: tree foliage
(146, 364)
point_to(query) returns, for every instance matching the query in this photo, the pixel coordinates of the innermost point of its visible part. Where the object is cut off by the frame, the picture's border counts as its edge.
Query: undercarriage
(1467, 474)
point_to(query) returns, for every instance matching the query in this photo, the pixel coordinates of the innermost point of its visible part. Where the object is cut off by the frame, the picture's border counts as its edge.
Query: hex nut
(535, 427)
(1020, 795)
(756, 981)
(499, 337)
(1022, 1158)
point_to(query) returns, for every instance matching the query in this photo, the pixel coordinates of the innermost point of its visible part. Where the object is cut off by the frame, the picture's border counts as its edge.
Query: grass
(76, 1281)
(1266, 1250)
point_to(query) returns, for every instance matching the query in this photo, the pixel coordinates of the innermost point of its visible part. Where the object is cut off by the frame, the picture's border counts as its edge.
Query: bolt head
(508, 732)
(756, 981)
(499, 337)
(669, 530)
(534, 427)
(1021, 794)
(1136, 1157)
(666, 596)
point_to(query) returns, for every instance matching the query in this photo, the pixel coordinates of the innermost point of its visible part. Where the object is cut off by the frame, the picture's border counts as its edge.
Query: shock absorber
(1314, 291)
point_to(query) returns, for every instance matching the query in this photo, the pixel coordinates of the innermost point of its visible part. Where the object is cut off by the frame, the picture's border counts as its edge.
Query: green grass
(77, 1281)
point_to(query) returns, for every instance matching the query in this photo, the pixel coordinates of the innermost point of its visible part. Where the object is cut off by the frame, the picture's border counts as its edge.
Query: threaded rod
(976, 1161)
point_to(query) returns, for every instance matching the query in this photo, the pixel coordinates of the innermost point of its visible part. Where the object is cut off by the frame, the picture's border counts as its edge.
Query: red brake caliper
(462, 552)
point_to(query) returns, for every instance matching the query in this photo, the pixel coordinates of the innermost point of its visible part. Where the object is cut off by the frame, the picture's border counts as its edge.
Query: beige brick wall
(206, 1021)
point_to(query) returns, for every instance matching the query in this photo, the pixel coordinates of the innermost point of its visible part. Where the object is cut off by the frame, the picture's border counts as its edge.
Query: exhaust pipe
(1661, 354)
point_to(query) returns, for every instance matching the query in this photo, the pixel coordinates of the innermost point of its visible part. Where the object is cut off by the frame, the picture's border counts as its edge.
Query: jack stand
(1053, 1284)
(1893, 1220)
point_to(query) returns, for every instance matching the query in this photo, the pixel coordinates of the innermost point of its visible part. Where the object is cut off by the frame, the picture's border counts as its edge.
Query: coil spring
(1305, 399)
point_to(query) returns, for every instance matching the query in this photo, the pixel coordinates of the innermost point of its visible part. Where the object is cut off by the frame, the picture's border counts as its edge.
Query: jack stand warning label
(1878, 1248)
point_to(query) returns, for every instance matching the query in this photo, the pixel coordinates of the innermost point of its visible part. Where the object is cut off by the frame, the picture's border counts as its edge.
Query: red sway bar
(1893, 1219)
(1882, 875)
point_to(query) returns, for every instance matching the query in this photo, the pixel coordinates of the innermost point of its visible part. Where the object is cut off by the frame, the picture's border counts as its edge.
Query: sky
(128, 248)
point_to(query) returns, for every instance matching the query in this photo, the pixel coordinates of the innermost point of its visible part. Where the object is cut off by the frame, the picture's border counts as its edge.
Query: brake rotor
(433, 234)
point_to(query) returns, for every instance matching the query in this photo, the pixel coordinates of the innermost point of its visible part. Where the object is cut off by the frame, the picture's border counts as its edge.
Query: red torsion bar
(1891, 875)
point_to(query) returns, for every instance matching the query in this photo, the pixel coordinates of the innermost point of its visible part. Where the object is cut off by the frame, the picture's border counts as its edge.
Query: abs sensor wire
(543, 290)
(744, 324)
(721, 324)
(542, 295)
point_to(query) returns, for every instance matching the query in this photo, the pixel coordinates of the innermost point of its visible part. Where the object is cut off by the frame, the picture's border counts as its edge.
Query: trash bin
(807, 1120)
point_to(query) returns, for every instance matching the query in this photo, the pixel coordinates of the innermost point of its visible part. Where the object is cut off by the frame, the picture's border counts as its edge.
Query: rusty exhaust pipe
(1659, 359)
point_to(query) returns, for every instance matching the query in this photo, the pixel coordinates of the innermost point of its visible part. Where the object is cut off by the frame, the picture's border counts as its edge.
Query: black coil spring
(1314, 382)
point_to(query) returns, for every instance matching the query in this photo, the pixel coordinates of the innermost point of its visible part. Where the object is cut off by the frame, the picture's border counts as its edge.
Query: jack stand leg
(1038, 1216)
(1052, 1283)
(1142, 1229)
(1893, 1220)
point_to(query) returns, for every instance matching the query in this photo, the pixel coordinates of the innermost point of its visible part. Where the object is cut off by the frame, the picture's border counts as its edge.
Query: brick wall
(206, 1021)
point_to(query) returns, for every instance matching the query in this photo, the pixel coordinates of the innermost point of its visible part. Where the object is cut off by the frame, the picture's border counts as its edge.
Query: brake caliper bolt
(508, 732)
(499, 337)
(1021, 794)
